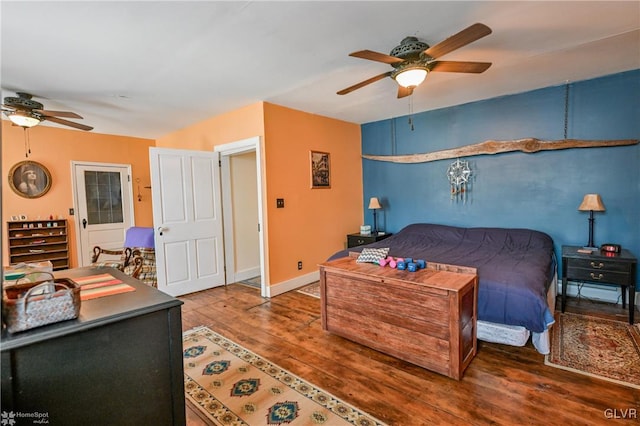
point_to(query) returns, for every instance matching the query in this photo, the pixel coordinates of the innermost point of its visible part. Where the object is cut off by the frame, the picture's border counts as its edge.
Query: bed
(516, 271)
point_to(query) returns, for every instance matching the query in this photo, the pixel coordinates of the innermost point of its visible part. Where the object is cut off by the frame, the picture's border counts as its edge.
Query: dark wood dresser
(119, 363)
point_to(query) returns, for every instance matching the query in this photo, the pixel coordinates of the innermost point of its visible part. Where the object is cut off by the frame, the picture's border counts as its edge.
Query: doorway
(103, 203)
(241, 180)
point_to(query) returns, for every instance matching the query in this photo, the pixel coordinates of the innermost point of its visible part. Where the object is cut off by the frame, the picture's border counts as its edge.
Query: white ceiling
(148, 68)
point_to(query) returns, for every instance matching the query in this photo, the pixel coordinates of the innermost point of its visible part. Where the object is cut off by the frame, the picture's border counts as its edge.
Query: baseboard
(247, 273)
(611, 294)
(603, 293)
(292, 284)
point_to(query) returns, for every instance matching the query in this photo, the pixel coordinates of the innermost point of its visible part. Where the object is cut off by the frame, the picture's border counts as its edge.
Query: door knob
(161, 229)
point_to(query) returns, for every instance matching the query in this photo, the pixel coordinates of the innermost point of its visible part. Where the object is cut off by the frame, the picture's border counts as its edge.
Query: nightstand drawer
(355, 240)
(600, 264)
(359, 240)
(605, 276)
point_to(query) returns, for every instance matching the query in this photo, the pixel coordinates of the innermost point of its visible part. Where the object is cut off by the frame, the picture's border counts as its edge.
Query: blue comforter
(515, 266)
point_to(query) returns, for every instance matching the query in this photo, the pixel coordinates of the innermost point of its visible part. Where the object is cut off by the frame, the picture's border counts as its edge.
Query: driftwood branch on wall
(490, 147)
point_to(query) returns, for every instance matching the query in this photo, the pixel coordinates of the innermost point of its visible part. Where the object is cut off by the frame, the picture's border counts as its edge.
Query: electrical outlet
(299, 265)
(279, 203)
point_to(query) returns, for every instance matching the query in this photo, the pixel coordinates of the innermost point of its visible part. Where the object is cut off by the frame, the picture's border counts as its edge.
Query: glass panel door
(104, 207)
(103, 191)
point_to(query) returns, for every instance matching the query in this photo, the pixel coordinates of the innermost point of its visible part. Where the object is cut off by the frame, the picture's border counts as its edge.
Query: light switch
(279, 203)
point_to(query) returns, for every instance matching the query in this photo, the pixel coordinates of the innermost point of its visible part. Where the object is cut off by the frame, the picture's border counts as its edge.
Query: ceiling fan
(412, 60)
(23, 111)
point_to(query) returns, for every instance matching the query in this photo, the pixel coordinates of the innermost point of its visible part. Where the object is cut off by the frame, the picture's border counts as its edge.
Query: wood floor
(504, 385)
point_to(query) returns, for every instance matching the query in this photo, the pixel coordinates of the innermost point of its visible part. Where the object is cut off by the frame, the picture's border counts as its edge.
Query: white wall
(244, 197)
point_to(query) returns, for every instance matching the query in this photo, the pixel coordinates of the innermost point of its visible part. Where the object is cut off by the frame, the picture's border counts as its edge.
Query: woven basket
(34, 304)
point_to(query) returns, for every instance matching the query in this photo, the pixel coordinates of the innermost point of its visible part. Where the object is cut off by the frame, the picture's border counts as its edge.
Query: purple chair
(137, 258)
(139, 237)
(143, 252)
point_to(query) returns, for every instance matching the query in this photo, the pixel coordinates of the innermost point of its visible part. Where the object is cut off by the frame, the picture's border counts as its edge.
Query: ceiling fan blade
(456, 41)
(48, 113)
(375, 56)
(68, 123)
(455, 66)
(363, 83)
(404, 91)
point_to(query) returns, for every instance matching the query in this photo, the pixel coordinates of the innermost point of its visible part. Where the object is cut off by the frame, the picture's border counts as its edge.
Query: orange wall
(236, 125)
(311, 227)
(314, 223)
(55, 148)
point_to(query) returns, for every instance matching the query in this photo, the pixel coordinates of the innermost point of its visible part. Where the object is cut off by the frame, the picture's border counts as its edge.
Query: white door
(187, 216)
(103, 206)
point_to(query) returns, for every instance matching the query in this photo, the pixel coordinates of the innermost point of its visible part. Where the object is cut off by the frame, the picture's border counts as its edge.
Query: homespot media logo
(10, 418)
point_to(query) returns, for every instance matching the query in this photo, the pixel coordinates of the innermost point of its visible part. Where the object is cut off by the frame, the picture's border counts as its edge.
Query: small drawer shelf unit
(33, 241)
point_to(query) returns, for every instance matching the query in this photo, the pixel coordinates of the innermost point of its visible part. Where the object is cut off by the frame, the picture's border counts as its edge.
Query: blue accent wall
(541, 190)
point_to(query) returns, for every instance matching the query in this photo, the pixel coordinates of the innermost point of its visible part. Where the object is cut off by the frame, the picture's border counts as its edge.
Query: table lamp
(374, 205)
(591, 203)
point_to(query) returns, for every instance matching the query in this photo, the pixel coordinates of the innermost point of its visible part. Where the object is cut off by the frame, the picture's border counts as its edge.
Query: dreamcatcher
(458, 174)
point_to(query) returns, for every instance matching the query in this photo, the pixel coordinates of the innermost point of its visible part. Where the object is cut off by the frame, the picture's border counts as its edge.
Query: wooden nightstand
(600, 268)
(355, 240)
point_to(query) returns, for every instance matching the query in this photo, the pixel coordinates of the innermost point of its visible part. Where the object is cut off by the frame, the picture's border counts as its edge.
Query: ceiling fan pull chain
(566, 109)
(411, 112)
(393, 136)
(27, 143)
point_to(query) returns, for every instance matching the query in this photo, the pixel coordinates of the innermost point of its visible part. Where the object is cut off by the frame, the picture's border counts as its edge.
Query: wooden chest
(427, 317)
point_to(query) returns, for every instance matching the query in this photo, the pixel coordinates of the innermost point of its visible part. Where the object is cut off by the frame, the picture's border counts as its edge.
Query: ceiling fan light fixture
(24, 119)
(411, 77)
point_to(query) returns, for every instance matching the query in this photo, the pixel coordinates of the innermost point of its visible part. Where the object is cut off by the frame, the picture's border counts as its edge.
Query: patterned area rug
(597, 347)
(312, 290)
(233, 386)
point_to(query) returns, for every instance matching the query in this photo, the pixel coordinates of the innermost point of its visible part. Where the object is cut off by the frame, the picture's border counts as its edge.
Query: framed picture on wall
(29, 179)
(320, 170)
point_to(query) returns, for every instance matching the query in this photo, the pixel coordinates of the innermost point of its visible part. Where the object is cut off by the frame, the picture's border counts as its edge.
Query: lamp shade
(374, 204)
(411, 77)
(23, 119)
(592, 202)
